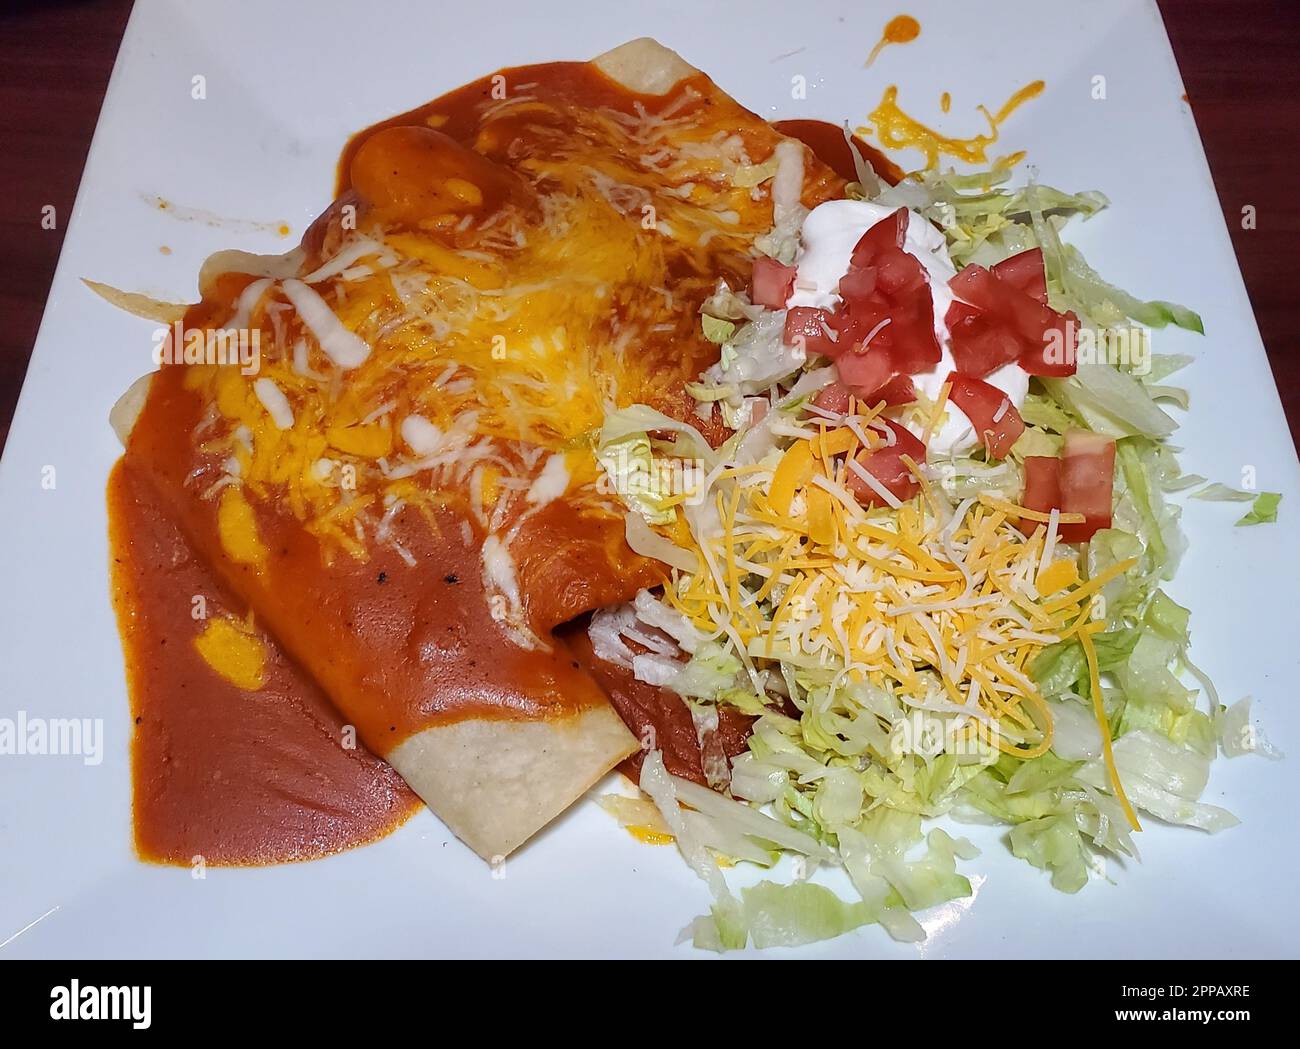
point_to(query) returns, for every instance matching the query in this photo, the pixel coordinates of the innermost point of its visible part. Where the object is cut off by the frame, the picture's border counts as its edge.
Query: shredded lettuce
(716, 329)
(1107, 305)
(789, 915)
(756, 356)
(631, 469)
(711, 670)
(841, 771)
(1264, 509)
(1110, 402)
(644, 481)
(1238, 735)
(1221, 493)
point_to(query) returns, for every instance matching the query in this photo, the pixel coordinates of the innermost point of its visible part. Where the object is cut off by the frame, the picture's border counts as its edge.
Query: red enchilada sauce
(228, 775)
(658, 717)
(830, 147)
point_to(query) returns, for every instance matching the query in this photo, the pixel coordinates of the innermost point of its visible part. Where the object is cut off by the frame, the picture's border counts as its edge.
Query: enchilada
(400, 484)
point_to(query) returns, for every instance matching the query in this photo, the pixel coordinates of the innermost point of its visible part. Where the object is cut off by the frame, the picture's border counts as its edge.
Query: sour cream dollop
(830, 233)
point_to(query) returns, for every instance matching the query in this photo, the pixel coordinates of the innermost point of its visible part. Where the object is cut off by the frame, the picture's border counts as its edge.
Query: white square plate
(284, 88)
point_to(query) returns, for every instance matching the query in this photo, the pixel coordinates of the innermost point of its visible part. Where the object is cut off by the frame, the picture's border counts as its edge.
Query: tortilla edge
(645, 66)
(496, 783)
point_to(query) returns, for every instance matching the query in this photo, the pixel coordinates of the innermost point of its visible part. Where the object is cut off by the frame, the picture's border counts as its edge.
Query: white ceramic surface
(284, 89)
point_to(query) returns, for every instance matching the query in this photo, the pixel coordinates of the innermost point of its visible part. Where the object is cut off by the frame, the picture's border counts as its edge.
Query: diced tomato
(979, 344)
(772, 283)
(1087, 483)
(899, 390)
(890, 233)
(976, 286)
(1057, 353)
(1025, 272)
(833, 398)
(859, 283)
(1046, 338)
(886, 466)
(1042, 483)
(990, 411)
(1023, 314)
(905, 441)
(910, 336)
(898, 273)
(856, 319)
(812, 326)
(865, 372)
(886, 283)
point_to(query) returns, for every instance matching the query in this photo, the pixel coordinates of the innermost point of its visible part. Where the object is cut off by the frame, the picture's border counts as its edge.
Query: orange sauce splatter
(902, 29)
(945, 102)
(1029, 91)
(896, 129)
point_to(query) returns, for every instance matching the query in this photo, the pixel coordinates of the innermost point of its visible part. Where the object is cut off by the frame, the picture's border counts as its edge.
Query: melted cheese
(488, 343)
(896, 129)
(232, 650)
(237, 527)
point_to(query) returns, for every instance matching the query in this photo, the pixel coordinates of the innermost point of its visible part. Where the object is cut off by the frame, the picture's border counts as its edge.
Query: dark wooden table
(1240, 61)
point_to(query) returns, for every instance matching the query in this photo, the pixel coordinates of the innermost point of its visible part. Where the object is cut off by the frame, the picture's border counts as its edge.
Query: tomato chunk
(1022, 314)
(1057, 353)
(772, 283)
(833, 398)
(859, 283)
(979, 344)
(910, 334)
(887, 467)
(990, 411)
(1025, 272)
(899, 390)
(1087, 483)
(887, 300)
(1046, 338)
(1042, 484)
(865, 372)
(813, 327)
(886, 236)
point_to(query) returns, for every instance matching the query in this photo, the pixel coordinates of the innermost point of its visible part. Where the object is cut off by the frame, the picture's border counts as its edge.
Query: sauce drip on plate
(896, 129)
(901, 29)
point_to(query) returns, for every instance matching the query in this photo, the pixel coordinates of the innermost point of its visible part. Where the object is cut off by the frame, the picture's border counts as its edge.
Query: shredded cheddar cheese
(938, 603)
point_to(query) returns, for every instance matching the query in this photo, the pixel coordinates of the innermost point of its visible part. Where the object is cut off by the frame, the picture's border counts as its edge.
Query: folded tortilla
(400, 480)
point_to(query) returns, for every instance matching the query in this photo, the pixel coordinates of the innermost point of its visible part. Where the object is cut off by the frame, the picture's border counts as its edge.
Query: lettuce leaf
(1264, 510)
